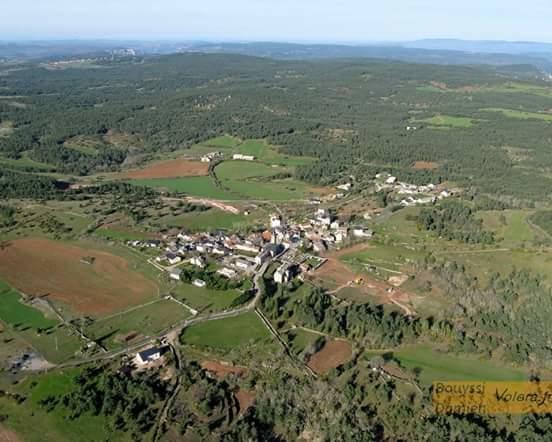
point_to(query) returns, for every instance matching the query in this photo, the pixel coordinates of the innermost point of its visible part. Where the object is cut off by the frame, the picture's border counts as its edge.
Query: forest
(349, 114)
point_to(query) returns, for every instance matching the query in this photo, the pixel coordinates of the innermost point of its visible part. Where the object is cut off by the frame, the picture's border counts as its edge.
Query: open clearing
(8, 435)
(520, 115)
(227, 333)
(170, 169)
(425, 165)
(448, 120)
(43, 267)
(221, 370)
(437, 366)
(14, 312)
(332, 355)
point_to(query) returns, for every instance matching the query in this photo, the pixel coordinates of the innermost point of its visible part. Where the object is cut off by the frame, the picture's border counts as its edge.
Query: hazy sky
(292, 20)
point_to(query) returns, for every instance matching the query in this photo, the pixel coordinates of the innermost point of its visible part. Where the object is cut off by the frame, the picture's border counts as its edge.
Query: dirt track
(170, 169)
(43, 267)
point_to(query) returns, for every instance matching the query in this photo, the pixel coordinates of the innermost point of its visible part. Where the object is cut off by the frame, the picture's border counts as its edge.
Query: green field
(145, 321)
(226, 141)
(52, 426)
(509, 225)
(437, 366)
(13, 312)
(269, 154)
(210, 220)
(235, 170)
(121, 235)
(448, 121)
(227, 333)
(299, 340)
(203, 299)
(520, 115)
(196, 186)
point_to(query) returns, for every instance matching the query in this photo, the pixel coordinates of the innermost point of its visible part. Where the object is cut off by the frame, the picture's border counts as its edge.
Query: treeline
(454, 220)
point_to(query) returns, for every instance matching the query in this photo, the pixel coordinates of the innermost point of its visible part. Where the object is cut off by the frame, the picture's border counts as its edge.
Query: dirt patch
(8, 435)
(338, 275)
(425, 165)
(333, 354)
(246, 399)
(221, 370)
(170, 169)
(90, 282)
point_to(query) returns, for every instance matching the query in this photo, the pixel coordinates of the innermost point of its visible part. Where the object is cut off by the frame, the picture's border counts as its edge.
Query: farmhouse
(147, 356)
(199, 283)
(361, 232)
(175, 274)
(239, 156)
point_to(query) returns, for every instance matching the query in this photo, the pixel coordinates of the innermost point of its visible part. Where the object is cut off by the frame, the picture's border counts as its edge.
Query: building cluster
(411, 194)
(287, 245)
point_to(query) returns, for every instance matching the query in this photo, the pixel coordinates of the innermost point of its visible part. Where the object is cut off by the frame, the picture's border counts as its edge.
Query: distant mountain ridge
(431, 51)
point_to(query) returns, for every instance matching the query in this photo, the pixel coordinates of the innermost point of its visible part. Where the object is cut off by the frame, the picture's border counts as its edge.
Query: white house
(239, 156)
(172, 259)
(226, 272)
(391, 180)
(346, 187)
(242, 264)
(275, 221)
(147, 356)
(199, 283)
(175, 274)
(198, 261)
(282, 274)
(361, 232)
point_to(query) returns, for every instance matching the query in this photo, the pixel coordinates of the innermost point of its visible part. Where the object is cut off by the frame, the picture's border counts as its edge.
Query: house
(391, 180)
(220, 250)
(340, 234)
(346, 187)
(282, 274)
(361, 232)
(274, 249)
(262, 257)
(275, 221)
(175, 274)
(319, 246)
(198, 261)
(153, 243)
(239, 156)
(172, 259)
(245, 247)
(199, 283)
(242, 264)
(226, 272)
(334, 225)
(147, 356)
(183, 236)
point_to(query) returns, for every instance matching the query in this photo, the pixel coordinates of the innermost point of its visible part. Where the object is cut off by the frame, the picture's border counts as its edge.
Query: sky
(354, 21)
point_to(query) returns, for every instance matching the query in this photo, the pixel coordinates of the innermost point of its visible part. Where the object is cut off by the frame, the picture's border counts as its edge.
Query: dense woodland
(351, 115)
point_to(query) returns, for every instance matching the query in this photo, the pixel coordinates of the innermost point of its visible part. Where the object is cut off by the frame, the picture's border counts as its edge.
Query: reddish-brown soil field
(336, 276)
(170, 169)
(245, 399)
(221, 370)
(8, 435)
(333, 354)
(425, 165)
(44, 267)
